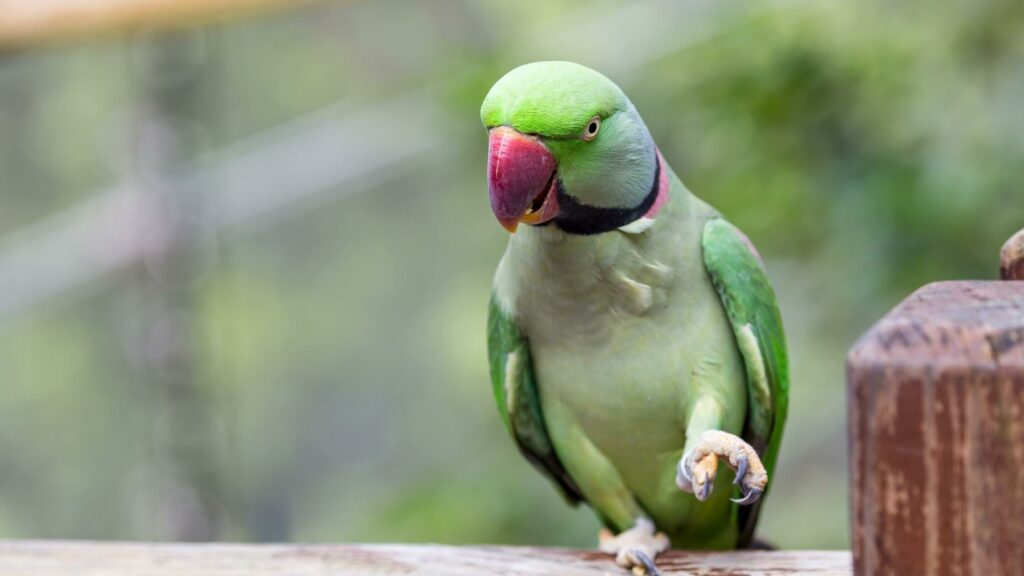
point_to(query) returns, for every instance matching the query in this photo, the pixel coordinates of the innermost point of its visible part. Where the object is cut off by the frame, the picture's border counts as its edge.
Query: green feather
(515, 391)
(750, 305)
(551, 99)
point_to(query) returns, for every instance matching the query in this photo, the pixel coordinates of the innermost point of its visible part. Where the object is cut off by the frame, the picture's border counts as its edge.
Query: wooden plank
(25, 558)
(1011, 258)
(30, 21)
(936, 392)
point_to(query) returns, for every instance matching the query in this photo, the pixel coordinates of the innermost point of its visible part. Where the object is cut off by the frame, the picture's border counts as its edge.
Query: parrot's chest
(629, 380)
(621, 397)
(616, 331)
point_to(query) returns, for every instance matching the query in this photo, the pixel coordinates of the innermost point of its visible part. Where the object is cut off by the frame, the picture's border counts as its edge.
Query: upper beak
(520, 179)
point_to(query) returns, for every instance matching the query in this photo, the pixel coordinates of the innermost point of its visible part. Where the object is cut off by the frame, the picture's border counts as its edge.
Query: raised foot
(635, 548)
(698, 467)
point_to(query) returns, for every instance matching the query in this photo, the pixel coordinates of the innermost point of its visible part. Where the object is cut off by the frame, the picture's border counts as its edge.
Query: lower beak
(520, 179)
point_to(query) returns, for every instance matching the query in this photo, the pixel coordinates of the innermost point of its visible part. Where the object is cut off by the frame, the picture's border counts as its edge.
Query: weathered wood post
(1011, 258)
(936, 400)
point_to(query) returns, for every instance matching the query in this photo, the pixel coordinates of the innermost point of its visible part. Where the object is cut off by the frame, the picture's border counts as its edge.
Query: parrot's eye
(590, 132)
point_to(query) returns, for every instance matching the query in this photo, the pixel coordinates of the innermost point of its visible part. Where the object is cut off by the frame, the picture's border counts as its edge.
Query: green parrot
(634, 339)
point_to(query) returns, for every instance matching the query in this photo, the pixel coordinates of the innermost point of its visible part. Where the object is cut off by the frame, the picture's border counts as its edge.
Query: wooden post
(1011, 259)
(141, 559)
(936, 396)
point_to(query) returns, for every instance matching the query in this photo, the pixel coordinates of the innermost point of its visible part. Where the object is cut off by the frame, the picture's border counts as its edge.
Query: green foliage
(865, 148)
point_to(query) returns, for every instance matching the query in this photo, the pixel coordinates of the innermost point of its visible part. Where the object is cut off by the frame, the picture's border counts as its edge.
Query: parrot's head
(566, 147)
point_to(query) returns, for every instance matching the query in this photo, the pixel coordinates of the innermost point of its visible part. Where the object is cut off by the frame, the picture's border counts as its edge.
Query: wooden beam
(1011, 258)
(936, 392)
(25, 22)
(140, 559)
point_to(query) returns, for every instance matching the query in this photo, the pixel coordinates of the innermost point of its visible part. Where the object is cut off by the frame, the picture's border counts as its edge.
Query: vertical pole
(181, 497)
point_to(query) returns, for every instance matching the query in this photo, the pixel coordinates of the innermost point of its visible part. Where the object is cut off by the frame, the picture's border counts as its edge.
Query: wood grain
(1011, 258)
(936, 397)
(25, 558)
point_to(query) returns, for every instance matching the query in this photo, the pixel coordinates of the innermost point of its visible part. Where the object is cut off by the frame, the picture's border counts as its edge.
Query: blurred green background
(244, 266)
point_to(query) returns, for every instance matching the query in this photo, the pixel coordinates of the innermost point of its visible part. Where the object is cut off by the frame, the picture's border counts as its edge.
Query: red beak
(520, 179)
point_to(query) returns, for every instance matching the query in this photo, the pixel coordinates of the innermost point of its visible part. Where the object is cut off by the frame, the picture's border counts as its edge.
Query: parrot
(633, 338)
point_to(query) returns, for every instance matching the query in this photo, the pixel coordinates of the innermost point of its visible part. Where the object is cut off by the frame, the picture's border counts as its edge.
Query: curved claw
(684, 467)
(648, 563)
(741, 470)
(749, 497)
(684, 477)
(705, 490)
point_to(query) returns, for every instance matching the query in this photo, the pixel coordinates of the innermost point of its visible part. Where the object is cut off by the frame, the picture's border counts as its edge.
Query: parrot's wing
(515, 390)
(749, 301)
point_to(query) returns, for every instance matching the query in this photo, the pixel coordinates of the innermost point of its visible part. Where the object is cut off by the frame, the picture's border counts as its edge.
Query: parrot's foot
(697, 469)
(635, 548)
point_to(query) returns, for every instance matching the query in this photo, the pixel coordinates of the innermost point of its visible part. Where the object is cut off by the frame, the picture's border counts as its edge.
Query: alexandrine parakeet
(634, 340)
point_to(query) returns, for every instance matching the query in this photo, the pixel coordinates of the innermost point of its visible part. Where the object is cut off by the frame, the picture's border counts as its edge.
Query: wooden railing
(131, 559)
